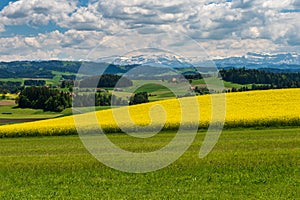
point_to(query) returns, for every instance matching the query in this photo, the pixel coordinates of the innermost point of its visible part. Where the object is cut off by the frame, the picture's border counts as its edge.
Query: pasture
(10, 114)
(213, 80)
(245, 164)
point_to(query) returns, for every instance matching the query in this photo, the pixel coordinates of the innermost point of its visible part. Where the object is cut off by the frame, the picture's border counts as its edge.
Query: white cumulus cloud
(224, 28)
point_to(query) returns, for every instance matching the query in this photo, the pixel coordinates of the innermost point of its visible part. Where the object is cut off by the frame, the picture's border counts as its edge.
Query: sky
(91, 29)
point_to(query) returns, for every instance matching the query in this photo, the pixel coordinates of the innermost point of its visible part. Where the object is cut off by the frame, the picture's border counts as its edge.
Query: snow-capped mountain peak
(282, 58)
(257, 60)
(154, 60)
(250, 60)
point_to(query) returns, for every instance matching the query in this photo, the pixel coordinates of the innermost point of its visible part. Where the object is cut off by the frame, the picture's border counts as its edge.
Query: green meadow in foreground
(245, 164)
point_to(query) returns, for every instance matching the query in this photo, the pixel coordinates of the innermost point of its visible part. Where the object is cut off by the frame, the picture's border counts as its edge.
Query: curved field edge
(271, 108)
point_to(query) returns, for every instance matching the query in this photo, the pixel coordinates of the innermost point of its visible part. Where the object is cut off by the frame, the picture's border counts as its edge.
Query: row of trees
(68, 77)
(106, 80)
(204, 90)
(108, 99)
(138, 98)
(201, 90)
(10, 87)
(14, 87)
(67, 84)
(50, 99)
(34, 82)
(253, 87)
(98, 99)
(253, 76)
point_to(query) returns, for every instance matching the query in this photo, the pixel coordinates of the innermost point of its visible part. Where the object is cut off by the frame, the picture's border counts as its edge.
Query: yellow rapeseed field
(11, 96)
(245, 109)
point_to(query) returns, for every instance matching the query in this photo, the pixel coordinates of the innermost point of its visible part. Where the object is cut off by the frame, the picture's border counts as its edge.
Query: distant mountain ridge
(283, 61)
(287, 58)
(154, 60)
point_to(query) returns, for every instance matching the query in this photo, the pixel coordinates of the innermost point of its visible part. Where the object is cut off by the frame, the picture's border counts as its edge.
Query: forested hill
(44, 69)
(36, 69)
(253, 76)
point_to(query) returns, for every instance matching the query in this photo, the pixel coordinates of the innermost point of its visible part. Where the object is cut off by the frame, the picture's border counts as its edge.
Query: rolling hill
(245, 109)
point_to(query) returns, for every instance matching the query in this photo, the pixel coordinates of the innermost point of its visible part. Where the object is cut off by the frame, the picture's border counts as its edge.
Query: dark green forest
(138, 98)
(253, 76)
(34, 82)
(98, 99)
(106, 80)
(10, 87)
(36, 69)
(44, 69)
(50, 99)
(44, 98)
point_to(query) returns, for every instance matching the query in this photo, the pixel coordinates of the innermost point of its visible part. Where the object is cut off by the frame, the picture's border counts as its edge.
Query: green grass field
(18, 115)
(245, 164)
(212, 80)
(26, 113)
(12, 79)
(54, 81)
(156, 89)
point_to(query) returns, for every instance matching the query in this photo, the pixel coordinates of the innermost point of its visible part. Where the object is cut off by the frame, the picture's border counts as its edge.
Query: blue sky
(4, 3)
(73, 29)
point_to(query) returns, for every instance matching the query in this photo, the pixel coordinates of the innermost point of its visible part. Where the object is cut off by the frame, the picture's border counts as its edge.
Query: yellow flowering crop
(12, 96)
(254, 108)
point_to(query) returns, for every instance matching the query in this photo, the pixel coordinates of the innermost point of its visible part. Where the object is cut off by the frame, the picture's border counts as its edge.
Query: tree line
(50, 99)
(10, 87)
(108, 99)
(34, 82)
(106, 80)
(254, 76)
(14, 87)
(98, 99)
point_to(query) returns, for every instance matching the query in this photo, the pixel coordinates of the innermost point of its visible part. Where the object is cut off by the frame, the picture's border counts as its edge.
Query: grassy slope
(27, 113)
(54, 81)
(12, 79)
(18, 113)
(227, 85)
(153, 87)
(245, 164)
(158, 92)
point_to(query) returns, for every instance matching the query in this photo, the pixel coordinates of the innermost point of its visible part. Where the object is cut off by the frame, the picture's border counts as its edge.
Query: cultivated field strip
(245, 109)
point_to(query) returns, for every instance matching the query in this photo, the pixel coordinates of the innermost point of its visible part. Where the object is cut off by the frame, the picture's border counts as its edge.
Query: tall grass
(245, 164)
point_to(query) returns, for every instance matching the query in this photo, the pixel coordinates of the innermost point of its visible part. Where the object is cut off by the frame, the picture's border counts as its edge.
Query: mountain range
(154, 60)
(282, 61)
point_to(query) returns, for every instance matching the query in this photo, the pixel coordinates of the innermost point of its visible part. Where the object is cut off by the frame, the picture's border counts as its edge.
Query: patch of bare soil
(7, 103)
